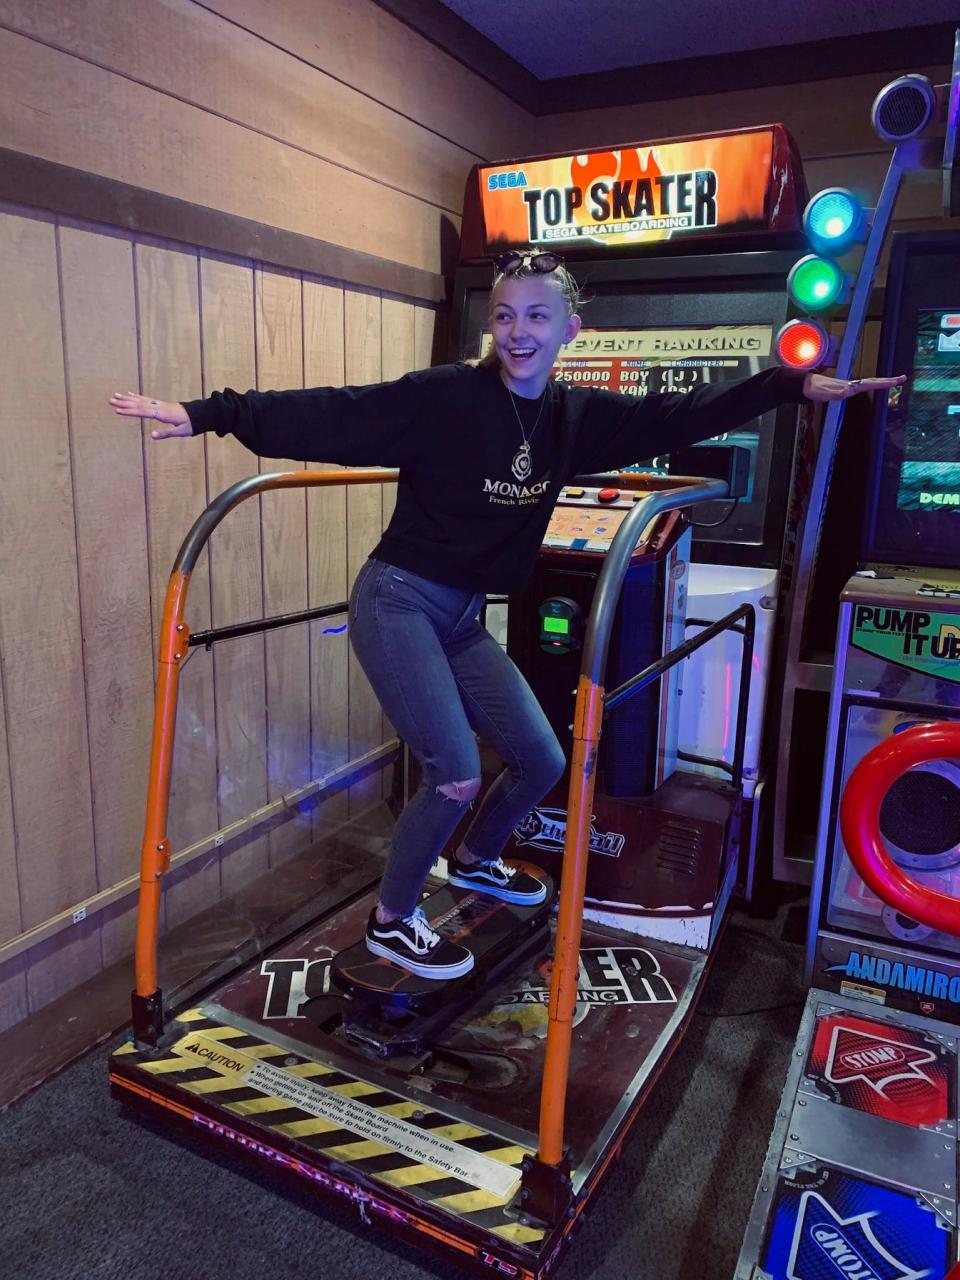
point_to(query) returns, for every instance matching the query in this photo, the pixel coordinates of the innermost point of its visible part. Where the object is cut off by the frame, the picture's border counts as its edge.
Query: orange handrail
(587, 726)
(174, 641)
(860, 823)
(588, 721)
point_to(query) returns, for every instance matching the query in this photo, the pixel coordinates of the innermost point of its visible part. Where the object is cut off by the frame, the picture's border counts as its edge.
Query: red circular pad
(801, 344)
(860, 823)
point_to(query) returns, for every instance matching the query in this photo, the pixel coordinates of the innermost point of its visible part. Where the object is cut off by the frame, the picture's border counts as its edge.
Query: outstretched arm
(377, 425)
(623, 429)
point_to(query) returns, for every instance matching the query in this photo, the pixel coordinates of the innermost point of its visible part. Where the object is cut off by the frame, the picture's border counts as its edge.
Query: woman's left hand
(817, 386)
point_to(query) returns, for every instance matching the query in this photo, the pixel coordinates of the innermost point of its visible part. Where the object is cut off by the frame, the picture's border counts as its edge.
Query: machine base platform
(434, 1154)
(861, 1172)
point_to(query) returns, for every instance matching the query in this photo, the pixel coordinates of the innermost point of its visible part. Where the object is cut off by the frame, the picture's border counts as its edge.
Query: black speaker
(920, 817)
(903, 108)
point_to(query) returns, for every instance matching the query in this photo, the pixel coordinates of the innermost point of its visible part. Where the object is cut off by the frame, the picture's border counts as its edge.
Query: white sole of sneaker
(439, 971)
(505, 895)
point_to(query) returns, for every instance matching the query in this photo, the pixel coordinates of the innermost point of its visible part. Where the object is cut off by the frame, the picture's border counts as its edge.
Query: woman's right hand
(129, 405)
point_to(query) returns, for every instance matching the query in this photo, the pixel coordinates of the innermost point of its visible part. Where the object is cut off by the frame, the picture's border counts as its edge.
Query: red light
(802, 344)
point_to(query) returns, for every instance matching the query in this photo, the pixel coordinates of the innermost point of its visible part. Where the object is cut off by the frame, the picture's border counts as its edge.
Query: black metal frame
(215, 634)
(730, 622)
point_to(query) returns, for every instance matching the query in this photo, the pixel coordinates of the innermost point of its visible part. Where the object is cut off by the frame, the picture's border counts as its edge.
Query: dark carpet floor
(90, 1193)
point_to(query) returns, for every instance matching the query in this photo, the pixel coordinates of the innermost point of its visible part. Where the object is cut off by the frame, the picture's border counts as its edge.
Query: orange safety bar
(860, 823)
(174, 642)
(588, 721)
(675, 492)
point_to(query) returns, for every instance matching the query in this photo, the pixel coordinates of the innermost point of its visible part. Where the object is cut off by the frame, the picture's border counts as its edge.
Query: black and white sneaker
(411, 943)
(496, 878)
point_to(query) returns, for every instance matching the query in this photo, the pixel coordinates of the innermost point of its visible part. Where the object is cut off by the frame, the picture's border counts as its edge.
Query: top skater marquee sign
(643, 193)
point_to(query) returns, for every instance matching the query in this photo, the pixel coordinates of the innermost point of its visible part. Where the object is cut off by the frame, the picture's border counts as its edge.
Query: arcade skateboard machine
(861, 1174)
(438, 1110)
(683, 248)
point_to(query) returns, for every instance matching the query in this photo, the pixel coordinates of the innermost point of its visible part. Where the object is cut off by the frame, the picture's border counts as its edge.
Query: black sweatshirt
(461, 517)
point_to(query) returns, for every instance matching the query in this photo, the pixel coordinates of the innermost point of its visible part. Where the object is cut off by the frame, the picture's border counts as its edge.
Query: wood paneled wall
(328, 118)
(93, 512)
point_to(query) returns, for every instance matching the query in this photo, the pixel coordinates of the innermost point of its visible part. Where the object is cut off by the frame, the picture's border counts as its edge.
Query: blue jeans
(441, 678)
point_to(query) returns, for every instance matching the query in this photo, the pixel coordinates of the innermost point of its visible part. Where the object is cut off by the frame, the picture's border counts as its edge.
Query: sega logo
(500, 181)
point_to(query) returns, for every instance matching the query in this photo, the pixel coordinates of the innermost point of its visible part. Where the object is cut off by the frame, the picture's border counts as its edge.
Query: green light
(816, 283)
(560, 625)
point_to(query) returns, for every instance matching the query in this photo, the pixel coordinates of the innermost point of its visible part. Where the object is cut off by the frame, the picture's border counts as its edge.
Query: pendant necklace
(522, 464)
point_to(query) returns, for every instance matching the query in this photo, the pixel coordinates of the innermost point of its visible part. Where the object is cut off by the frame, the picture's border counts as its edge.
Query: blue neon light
(833, 220)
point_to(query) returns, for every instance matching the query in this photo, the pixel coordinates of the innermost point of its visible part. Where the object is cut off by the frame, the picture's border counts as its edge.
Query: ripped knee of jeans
(462, 792)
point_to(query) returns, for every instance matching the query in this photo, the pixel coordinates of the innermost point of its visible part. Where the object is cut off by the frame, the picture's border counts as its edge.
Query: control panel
(587, 519)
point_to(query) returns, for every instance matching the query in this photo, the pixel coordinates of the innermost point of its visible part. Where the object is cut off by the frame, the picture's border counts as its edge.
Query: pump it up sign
(643, 193)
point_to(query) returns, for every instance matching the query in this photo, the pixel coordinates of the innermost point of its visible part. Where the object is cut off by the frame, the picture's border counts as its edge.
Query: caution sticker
(338, 1111)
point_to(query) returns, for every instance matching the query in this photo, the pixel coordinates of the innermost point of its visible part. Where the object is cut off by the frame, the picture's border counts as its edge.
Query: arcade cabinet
(682, 249)
(862, 1168)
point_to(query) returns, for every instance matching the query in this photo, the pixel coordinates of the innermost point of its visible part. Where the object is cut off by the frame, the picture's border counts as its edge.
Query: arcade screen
(930, 466)
(913, 495)
(640, 362)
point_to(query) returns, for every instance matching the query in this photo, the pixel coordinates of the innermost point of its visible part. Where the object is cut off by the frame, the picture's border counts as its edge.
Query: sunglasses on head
(507, 264)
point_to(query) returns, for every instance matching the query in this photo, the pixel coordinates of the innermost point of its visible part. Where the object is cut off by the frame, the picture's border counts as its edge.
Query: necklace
(522, 464)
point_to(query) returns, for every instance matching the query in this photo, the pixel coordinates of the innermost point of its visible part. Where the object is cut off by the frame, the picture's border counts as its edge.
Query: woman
(483, 451)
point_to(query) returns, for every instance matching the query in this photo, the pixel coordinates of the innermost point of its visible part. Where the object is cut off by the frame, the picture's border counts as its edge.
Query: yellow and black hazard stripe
(226, 1048)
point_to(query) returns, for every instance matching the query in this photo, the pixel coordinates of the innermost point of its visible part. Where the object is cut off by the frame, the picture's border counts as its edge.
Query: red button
(608, 495)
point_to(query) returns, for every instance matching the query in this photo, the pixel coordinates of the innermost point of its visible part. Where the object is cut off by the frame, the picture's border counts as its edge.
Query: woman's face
(530, 323)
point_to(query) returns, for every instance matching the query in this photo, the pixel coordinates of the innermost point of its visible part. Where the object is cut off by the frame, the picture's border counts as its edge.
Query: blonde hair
(570, 291)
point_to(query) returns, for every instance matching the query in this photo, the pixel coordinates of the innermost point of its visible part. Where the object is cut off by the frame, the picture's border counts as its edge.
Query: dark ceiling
(552, 38)
(556, 55)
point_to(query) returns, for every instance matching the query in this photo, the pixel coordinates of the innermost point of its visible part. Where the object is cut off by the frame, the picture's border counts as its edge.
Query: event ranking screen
(641, 362)
(649, 361)
(930, 470)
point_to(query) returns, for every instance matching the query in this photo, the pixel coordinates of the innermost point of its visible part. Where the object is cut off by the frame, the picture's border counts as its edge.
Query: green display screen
(561, 625)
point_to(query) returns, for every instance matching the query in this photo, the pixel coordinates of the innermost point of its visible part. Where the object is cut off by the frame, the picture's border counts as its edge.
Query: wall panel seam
(71, 455)
(211, 561)
(228, 119)
(256, 35)
(311, 752)
(151, 586)
(5, 728)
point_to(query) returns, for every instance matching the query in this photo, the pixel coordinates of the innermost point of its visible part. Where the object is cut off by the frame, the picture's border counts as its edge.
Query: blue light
(833, 220)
